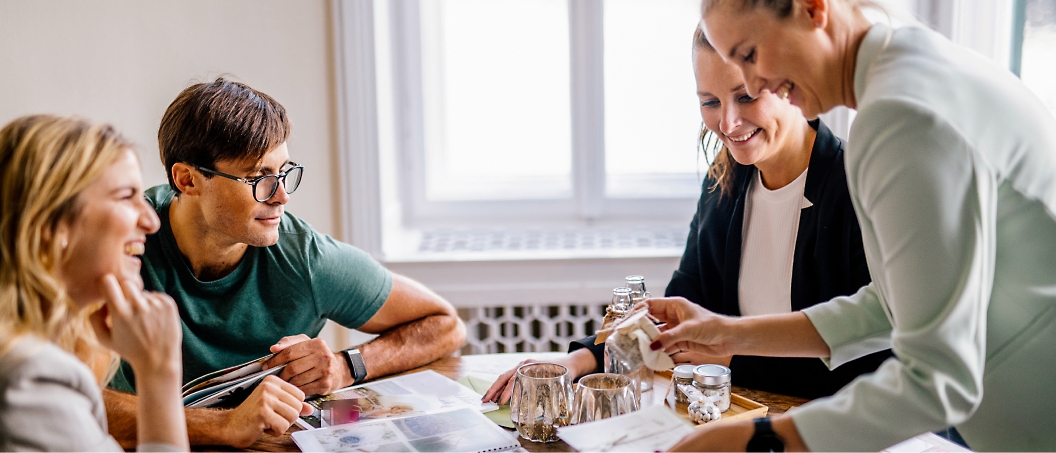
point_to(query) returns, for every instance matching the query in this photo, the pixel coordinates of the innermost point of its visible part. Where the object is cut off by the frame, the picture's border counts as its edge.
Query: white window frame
(372, 212)
(589, 203)
(986, 26)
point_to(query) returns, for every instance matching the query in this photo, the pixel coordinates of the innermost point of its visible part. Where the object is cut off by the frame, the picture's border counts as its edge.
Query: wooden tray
(741, 408)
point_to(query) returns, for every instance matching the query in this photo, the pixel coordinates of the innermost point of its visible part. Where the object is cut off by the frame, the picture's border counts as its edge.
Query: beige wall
(123, 61)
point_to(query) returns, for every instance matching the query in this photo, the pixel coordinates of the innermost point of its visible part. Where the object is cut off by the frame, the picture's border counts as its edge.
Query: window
(496, 100)
(542, 111)
(1037, 52)
(650, 110)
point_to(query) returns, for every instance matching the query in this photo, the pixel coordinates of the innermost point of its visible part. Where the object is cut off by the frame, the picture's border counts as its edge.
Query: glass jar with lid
(682, 375)
(714, 380)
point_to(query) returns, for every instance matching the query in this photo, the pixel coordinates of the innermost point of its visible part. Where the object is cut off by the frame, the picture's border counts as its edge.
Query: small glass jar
(714, 380)
(621, 301)
(636, 283)
(682, 375)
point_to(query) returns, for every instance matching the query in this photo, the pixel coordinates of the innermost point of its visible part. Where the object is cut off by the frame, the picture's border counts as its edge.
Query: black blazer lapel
(734, 238)
(805, 280)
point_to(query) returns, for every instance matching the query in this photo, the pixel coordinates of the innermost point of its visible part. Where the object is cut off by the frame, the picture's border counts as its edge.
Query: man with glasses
(251, 279)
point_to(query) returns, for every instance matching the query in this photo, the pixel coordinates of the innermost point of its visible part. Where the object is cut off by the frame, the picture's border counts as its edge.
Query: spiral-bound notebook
(461, 429)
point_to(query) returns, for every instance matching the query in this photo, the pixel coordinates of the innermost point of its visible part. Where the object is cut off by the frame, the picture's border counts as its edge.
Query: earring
(817, 24)
(64, 244)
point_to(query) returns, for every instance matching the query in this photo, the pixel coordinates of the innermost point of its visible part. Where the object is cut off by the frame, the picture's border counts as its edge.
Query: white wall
(123, 62)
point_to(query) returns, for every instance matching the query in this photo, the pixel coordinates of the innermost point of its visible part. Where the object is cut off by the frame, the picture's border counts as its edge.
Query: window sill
(495, 267)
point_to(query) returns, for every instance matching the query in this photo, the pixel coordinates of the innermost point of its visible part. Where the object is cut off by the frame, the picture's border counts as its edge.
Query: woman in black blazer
(766, 144)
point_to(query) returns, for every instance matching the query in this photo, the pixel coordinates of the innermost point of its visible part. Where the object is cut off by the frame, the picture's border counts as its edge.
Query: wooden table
(490, 366)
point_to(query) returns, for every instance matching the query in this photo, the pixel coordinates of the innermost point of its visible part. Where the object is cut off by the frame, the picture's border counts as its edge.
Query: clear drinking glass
(603, 395)
(542, 401)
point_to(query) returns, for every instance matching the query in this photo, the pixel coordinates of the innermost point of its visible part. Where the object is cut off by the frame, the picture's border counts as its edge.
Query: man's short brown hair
(217, 121)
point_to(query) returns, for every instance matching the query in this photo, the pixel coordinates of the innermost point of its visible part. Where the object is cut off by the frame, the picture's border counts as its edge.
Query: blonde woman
(73, 222)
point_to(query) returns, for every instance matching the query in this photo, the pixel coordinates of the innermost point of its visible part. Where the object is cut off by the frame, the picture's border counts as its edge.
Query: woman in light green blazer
(951, 166)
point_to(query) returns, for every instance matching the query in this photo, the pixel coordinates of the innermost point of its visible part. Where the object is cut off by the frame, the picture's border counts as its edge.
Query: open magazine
(227, 387)
(401, 396)
(452, 429)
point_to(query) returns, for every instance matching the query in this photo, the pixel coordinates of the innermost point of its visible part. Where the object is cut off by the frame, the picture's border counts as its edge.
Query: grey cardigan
(49, 401)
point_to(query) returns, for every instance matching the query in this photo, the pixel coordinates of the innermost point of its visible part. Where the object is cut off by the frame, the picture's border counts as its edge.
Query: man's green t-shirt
(289, 288)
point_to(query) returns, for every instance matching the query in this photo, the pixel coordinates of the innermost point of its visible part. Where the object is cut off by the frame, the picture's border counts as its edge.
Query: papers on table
(461, 429)
(655, 428)
(500, 414)
(927, 442)
(411, 394)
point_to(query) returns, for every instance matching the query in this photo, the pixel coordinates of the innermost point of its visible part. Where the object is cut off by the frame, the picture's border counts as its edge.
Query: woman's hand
(734, 436)
(690, 328)
(696, 358)
(578, 363)
(142, 326)
(730, 436)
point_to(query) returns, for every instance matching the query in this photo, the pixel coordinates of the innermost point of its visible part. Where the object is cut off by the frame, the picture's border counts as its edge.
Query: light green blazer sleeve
(926, 205)
(853, 326)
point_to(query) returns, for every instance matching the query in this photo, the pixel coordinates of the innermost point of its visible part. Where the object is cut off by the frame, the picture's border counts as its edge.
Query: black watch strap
(765, 439)
(355, 365)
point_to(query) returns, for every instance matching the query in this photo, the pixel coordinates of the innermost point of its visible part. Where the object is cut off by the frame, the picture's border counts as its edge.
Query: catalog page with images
(401, 396)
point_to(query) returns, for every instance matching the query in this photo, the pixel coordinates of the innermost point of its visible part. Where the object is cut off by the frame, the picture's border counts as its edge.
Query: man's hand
(311, 365)
(271, 408)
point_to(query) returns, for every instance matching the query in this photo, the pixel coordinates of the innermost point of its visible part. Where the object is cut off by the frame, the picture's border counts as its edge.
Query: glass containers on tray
(682, 375)
(714, 382)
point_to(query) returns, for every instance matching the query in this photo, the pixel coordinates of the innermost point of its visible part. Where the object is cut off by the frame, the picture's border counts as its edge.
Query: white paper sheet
(650, 429)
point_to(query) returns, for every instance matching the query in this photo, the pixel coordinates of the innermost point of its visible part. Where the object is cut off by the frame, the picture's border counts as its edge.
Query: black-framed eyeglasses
(264, 187)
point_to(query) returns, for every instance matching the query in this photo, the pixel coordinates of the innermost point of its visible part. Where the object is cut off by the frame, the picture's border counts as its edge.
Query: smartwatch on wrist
(355, 365)
(765, 439)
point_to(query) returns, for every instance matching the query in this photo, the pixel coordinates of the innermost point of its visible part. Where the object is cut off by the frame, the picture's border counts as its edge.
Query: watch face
(764, 438)
(765, 442)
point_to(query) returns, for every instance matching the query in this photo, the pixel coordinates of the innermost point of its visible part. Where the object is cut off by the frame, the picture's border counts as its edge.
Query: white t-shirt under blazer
(771, 224)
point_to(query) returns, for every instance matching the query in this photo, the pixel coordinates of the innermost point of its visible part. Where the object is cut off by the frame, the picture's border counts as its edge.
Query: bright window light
(1039, 50)
(496, 97)
(651, 114)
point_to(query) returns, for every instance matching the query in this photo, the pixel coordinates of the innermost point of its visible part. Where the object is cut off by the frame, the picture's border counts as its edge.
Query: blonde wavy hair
(721, 164)
(48, 161)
